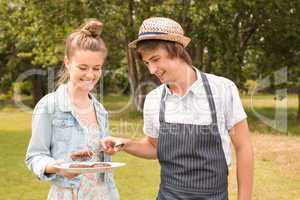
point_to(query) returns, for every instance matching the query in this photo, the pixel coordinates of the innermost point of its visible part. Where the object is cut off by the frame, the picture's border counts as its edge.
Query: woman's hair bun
(92, 28)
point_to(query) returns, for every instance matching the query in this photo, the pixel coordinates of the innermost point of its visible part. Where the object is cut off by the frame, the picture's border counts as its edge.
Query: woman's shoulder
(46, 103)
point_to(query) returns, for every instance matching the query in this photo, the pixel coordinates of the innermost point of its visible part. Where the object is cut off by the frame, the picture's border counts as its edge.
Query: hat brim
(167, 37)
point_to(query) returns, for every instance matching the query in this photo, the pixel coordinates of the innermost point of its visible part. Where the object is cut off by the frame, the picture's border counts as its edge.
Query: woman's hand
(68, 175)
(52, 169)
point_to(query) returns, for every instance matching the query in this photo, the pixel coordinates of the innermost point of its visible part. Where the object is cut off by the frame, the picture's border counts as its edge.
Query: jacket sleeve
(38, 154)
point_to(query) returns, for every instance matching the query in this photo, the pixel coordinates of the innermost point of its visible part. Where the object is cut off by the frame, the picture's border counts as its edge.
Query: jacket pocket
(63, 129)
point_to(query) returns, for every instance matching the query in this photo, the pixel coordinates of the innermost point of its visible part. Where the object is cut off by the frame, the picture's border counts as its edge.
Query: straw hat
(161, 28)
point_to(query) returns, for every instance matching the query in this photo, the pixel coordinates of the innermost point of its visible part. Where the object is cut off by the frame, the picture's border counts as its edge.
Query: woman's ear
(66, 62)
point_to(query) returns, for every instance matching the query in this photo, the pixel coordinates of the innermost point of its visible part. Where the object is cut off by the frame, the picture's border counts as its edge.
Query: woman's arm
(38, 154)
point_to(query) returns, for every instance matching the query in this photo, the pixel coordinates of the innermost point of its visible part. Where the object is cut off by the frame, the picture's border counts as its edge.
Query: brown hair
(87, 37)
(174, 49)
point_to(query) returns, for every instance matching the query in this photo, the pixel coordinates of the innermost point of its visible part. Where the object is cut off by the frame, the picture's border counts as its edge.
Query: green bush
(24, 88)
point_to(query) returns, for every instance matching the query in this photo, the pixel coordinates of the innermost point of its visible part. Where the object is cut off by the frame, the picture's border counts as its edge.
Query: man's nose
(152, 68)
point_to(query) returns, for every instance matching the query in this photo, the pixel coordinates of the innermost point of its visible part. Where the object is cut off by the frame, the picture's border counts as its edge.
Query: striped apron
(193, 164)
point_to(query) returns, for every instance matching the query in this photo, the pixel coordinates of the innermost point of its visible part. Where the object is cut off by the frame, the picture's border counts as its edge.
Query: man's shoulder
(153, 98)
(218, 80)
(155, 93)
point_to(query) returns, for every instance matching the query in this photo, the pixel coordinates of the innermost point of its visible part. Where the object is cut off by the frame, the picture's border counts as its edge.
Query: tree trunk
(209, 60)
(140, 80)
(37, 88)
(298, 115)
(135, 74)
(196, 53)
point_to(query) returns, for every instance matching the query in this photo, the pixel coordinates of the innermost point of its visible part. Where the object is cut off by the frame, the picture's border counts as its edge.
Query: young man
(189, 121)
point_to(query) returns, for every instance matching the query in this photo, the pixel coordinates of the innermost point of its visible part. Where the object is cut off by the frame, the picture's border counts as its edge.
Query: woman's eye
(82, 68)
(96, 69)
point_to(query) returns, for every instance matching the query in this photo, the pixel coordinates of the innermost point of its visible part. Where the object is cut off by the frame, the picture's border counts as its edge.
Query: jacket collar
(64, 101)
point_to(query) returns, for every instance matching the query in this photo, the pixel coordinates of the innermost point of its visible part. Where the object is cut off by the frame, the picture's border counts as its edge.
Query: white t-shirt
(193, 108)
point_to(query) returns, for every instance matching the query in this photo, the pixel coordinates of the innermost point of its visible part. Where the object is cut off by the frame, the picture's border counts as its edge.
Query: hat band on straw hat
(151, 33)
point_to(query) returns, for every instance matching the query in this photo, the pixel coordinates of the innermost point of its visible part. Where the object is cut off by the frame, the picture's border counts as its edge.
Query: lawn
(277, 155)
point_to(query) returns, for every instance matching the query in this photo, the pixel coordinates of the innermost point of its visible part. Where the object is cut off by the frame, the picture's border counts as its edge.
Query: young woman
(72, 120)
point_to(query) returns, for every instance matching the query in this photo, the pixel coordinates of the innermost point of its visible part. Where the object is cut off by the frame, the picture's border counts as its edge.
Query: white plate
(66, 167)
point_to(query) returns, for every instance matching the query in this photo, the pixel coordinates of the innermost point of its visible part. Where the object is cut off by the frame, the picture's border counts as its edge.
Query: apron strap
(162, 106)
(210, 99)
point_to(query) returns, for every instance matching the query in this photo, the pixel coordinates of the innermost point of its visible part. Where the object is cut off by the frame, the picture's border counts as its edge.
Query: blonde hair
(87, 37)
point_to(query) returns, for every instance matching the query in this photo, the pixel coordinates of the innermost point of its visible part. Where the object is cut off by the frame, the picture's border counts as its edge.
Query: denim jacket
(56, 132)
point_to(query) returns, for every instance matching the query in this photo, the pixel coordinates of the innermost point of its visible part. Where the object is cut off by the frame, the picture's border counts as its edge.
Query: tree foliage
(240, 40)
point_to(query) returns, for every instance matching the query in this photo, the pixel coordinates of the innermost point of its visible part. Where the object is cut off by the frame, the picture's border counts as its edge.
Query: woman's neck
(79, 98)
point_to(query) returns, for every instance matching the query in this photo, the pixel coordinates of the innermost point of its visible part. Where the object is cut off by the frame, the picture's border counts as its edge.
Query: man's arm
(144, 147)
(240, 137)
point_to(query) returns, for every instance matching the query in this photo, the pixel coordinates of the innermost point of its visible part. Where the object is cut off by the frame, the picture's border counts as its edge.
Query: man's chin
(162, 81)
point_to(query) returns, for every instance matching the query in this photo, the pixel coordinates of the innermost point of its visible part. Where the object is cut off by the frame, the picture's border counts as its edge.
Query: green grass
(277, 156)
(266, 106)
(256, 107)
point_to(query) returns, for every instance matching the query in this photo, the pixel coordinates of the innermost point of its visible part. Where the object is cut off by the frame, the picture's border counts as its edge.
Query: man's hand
(143, 148)
(111, 145)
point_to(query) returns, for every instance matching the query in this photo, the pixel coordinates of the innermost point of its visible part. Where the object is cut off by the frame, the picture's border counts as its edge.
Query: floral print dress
(91, 186)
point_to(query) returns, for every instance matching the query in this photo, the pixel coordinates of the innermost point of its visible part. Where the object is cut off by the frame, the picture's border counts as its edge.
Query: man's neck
(186, 77)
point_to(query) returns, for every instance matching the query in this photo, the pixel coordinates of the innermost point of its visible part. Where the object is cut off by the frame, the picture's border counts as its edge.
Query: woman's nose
(90, 73)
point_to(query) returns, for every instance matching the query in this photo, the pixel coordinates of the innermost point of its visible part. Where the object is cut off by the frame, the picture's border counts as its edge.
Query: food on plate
(81, 155)
(83, 165)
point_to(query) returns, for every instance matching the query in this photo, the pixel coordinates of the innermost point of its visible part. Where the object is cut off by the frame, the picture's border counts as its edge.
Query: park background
(254, 43)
